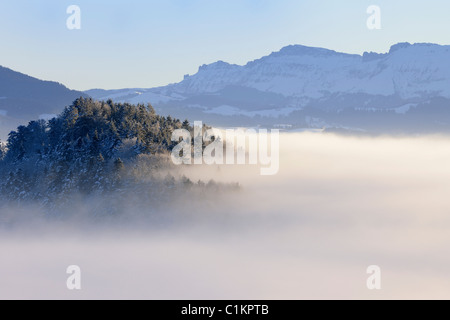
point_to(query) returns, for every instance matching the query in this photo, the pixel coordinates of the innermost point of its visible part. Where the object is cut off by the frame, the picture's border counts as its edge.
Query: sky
(143, 44)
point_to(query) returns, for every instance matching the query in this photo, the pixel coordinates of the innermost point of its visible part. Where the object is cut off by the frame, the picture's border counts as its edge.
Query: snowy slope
(407, 70)
(301, 77)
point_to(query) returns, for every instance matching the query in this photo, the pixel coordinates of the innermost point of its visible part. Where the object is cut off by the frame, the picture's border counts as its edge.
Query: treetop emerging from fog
(89, 130)
(92, 148)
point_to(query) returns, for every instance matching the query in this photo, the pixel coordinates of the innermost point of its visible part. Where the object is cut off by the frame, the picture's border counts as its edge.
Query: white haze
(338, 205)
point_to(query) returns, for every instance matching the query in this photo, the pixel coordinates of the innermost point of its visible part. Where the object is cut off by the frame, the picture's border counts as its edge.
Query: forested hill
(92, 148)
(90, 131)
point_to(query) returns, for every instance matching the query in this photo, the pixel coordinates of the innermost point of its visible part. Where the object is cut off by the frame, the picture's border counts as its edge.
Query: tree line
(90, 147)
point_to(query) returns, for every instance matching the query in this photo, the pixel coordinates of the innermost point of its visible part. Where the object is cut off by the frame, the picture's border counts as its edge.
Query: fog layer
(338, 205)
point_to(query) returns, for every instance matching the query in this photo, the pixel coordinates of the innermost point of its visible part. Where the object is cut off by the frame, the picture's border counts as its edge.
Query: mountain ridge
(23, 97)
(308, 82)
(407, 87)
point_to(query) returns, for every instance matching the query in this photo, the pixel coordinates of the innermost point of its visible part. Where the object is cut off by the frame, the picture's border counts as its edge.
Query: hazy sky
(137, 43)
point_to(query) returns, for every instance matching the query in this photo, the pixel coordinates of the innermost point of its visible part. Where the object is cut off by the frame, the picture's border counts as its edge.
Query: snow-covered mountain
(408, 71)
(306, 86)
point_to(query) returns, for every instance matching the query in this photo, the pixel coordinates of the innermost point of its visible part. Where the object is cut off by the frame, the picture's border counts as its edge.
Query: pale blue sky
(147, 43)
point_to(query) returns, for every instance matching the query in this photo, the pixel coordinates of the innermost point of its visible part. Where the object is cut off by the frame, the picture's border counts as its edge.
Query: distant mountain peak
(398, 46)
(419, 45)
(298, 50)
(219, 65)
(300, 81)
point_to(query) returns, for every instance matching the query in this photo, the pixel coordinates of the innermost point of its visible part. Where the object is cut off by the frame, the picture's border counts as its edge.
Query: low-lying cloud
(338, 205)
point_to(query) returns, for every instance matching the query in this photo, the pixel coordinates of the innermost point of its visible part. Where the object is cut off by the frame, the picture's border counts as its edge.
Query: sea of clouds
(338, 205)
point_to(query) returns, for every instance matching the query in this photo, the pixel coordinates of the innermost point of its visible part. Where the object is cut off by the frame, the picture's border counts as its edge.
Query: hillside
(23, 97)
(103, 149)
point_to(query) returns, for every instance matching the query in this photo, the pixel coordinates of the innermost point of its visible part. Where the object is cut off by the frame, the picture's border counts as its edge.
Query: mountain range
(404, 90)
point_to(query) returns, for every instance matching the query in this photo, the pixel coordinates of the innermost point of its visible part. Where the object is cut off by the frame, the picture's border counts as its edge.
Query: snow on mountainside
(407, 70)
(298, 71)
(303, 78)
